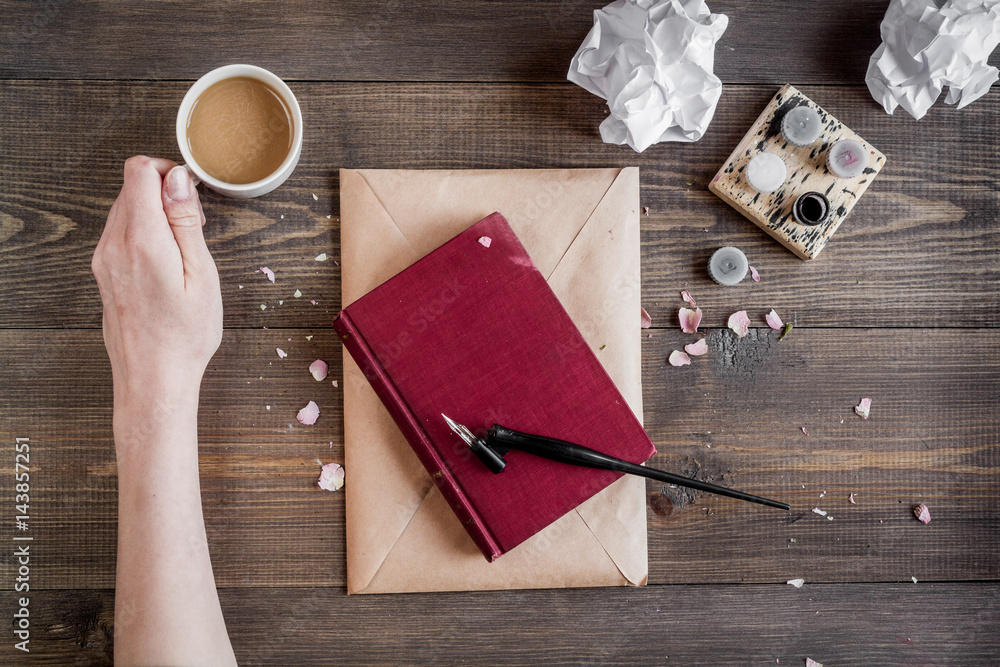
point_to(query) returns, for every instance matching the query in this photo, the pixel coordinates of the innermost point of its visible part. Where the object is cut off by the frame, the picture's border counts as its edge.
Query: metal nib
(461, 431)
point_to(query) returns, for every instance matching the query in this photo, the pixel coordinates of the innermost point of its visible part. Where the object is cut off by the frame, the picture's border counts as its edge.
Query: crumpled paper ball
(926, 47)
(652, 61)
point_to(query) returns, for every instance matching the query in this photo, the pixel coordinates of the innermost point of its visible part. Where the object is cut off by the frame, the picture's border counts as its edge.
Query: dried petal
(739, 323)
(688, 298)
(922, 513)
(806, 431)
(646, 321)
(331, 477)
(796, 582)
(319, 370)
(788, 330)
(335, 384)
(645, 210)
(678, 358)
(281, 353)
(690, 319)
(315, 198)
(812, 663)
(697, 349)
(773, 320)
(850, 499)
(485, 241)
(309, 414)
(267, 272)
(321, 257)
(754, 275)
(864, 407)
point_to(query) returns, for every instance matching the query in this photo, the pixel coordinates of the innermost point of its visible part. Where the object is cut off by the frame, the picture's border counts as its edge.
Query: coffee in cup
(240, 130)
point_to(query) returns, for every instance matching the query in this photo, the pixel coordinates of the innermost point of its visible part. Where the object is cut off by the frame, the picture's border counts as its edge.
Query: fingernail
(178, 184)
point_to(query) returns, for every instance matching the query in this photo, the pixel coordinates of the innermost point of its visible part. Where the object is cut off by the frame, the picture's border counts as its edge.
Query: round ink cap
(766, 172)
(847, 158)
(728, 266)
(801, 126)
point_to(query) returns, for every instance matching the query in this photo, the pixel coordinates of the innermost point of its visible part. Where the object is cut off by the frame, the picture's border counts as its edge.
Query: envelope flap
(546, 208)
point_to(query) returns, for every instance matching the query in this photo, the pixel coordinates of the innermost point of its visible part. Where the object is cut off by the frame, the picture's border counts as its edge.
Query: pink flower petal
(267, 272)
(697, 349)
(754, 275)
(806, 431)
(688, 298)
(851, 500)
(331, 477)
(739, 323)
(812, 663)
(314, 302)
(309, 414)
(335, 384)
(646, 320)
(678, 358)
(773, 320)
(486, 241)
(922, 513)
(281, 353)
(319, 370)
(864, 407)
(690, 319)
(645, 210)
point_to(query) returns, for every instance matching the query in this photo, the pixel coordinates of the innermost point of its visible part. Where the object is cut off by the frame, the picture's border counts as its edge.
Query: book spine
(415, 434)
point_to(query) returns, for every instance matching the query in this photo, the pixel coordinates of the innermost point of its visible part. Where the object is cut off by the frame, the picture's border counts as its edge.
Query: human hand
(158, 282)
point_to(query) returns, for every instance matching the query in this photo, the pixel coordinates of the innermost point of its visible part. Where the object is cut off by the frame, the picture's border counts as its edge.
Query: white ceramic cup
(242, 190)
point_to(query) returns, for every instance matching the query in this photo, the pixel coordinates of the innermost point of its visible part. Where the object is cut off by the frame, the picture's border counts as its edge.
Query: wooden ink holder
(807, 172)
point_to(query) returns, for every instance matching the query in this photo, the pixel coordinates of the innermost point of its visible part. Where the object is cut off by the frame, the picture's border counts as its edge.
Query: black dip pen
(500, 439)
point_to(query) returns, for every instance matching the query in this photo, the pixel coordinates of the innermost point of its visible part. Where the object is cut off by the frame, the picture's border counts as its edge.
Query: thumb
(184, 213)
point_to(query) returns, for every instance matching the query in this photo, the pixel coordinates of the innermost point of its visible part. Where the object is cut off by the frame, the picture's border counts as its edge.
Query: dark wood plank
(391, 40)
(732, 417)
(902, 624)
(917, 251)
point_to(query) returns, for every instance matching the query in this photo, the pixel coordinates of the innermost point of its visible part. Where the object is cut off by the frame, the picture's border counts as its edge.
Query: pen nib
(461, 431)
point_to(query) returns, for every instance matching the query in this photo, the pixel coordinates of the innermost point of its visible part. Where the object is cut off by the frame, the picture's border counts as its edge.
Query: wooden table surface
(901, 306)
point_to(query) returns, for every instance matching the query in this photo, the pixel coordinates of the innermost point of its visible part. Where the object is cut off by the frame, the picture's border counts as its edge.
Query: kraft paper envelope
(581, 228)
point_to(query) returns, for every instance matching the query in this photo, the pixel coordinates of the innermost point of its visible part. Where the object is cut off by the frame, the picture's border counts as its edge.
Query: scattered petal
(321, 257)
(267, 272)
(819, 511)
(335, 384)
(314, 302)
(331, 477)
(913, 579)
(263, 307)
(319, 370)
(336, 263)
(851, 500)
(646, 320)
(864, 407)
(739, 323)
(754, 275)
(796, 582)
(315, 198)
(645, 210)
(688, 298)
(485, 241)
(297, 294)
(281, 353)
(904, 640)
(603, 346)
(678, 358)
(241, 286)
(690, 319)
(788, 330)
(773, 320)
(309, 414)
(309, 337)
(806, 431)
(922, 513)
(697, 349)
(812, 663)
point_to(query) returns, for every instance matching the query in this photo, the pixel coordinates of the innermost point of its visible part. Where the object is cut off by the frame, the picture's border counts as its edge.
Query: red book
(473, 331)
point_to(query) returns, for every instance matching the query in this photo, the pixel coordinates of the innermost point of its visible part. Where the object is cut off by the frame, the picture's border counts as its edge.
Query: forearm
(166, 605)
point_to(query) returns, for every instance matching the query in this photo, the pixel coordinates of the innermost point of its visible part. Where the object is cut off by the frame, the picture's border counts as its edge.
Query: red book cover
(473, 331)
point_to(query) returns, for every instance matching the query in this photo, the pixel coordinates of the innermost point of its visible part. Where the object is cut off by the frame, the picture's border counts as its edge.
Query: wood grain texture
(844, 624)
(807, 172)
(392, 40)
(919, 250)
(733, 417)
